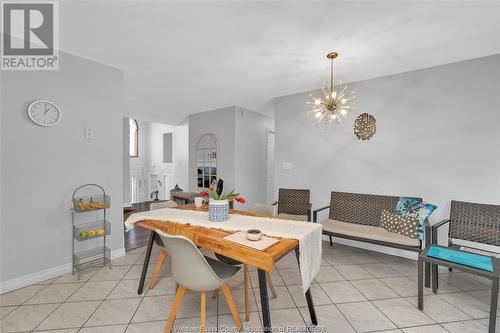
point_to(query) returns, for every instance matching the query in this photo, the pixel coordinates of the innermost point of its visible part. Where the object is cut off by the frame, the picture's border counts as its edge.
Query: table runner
(309, 235)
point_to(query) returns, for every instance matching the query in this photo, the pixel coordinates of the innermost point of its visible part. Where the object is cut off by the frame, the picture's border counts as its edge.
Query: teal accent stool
(461, 257)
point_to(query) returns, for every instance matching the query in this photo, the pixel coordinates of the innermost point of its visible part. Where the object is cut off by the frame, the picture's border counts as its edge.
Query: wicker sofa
(356, 216)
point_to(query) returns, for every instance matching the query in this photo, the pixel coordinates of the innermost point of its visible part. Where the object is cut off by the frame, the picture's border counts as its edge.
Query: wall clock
(44, 113)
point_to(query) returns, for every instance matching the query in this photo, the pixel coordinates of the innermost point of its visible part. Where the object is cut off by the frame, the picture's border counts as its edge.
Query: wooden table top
(212, 240)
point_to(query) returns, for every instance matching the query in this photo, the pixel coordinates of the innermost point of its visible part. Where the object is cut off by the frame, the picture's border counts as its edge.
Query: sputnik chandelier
(335, 104)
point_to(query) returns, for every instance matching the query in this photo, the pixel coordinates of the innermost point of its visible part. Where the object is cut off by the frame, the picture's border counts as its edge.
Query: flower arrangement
(214, 195)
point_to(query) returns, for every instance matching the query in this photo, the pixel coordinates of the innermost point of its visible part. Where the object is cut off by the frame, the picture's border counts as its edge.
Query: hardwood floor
(138, 236)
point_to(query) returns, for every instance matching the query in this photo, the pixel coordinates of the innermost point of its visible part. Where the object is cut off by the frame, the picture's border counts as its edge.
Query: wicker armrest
(309, 207)
(439, 224)
(316, 211)
(432, 231)
(428, 235)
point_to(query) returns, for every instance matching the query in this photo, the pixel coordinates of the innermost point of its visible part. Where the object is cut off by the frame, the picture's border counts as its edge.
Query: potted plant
(218, 204)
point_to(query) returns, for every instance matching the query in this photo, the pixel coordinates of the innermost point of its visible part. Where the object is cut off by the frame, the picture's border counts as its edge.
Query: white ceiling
(185, 57)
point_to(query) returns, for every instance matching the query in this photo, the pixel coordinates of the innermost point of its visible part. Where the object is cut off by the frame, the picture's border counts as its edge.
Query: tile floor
(355, 291)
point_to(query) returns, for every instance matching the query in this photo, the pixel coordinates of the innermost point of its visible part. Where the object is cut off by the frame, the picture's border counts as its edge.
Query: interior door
(270, 197)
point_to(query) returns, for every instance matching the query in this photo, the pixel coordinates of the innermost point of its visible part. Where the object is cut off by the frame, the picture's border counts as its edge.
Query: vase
(218, 210)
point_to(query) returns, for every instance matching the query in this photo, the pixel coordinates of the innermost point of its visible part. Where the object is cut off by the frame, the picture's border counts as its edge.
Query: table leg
(310, 303)
(146, 261)
(427, 275)
(493, 305)
(264, 300)
(435, 279)
(420, 273)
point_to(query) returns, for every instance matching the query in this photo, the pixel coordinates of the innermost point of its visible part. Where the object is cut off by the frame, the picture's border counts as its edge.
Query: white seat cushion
(368, 232)
(292, 217)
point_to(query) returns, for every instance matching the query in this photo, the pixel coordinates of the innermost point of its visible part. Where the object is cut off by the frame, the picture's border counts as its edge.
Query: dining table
(212, 239)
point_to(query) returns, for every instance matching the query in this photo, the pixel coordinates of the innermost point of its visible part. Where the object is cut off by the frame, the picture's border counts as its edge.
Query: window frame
(136, 134)
(212, 162)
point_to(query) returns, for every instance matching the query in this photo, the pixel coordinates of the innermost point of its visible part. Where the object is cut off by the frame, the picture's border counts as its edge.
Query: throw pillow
(409, 206)
(404, 225)
(408, 226)
(389, 221)
(423, 215)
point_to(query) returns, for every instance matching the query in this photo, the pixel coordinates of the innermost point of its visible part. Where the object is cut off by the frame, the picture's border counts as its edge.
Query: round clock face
(44, 113)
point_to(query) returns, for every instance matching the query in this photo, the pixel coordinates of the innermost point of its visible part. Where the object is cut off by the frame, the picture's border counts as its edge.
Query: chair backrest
(189, 267)
(293, 201)
(262, 209)
(360, 208)
(475, 222)
(163, 204)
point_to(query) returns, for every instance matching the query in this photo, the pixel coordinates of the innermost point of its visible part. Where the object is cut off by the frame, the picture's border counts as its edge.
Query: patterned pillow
(423, 215)
(409, 206)
(389, 221)
(404, 225)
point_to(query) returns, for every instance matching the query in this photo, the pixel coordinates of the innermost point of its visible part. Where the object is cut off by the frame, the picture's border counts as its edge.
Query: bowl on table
(254, 234)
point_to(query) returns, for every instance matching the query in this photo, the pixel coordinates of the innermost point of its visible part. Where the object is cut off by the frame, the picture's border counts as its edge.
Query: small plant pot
(218, 210)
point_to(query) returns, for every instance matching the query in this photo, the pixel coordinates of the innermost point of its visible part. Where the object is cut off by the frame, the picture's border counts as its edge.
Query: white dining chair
(163, 252)
(263, 209)
(162, 204)
(195, 272)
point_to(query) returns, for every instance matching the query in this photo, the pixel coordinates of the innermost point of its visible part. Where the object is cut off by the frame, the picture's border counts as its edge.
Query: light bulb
(343, 100)
(317, 101)
(343, 112)
(333, 117)
(318, 114)
(334, 94)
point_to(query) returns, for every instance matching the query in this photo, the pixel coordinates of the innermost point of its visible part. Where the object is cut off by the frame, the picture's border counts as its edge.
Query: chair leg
(175, 307)
(420, 284)
(493, 305)
(270, 285)
(215, 293)
(331, 241)
(203, 314)
(435, 278)
(159, 263)
(245, 283)
(232, 306)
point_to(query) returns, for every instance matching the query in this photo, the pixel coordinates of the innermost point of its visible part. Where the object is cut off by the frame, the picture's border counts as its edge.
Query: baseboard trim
(37, 277)
(374, 247)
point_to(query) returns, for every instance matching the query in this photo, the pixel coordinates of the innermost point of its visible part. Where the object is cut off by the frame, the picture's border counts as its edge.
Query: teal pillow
(409, 206)
(423, 215)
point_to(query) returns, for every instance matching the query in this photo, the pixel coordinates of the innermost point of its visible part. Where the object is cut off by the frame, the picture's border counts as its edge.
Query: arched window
(207, 161)
(133, 138)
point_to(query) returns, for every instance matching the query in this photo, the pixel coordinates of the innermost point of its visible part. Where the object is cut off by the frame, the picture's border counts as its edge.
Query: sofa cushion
(368, 232)
(292, 217)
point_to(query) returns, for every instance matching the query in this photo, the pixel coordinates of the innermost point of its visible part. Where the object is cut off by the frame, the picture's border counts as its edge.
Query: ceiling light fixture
(334, 105)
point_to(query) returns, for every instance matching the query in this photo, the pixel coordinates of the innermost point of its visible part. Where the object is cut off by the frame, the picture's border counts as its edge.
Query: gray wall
(126, 162)
(241, 135)
(251, 155)
(221, 123)
(438, 136)
(41, 167)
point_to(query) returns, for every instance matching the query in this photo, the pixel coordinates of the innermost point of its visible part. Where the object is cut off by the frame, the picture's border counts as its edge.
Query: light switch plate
(287, 166)
(89, 135)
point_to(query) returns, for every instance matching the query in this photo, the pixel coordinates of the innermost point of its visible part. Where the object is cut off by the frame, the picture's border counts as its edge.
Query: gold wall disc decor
(365, 126)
